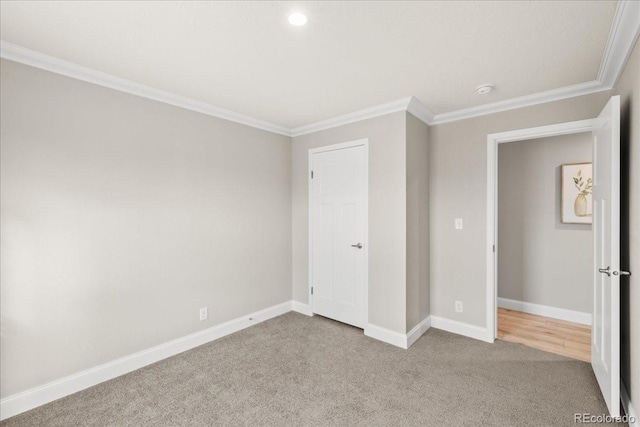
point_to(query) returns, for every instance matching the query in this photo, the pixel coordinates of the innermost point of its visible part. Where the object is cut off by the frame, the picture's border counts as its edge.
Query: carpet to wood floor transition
(297, 370)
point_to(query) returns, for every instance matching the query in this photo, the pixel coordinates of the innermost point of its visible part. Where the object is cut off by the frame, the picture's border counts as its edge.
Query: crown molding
(624, 32)
(356, 116)
(521, 101)
(622, 38)
(13, 52)
(419, 110)
(410, 104)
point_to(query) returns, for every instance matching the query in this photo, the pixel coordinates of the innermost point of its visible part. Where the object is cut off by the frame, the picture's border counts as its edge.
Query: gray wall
(417, 221)
(387, 213)
(628, 88)
(541, 260)
(121, 217)
(118, 222)
(457, 189)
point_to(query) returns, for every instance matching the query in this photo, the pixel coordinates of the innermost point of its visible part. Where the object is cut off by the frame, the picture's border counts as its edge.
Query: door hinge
(311, 174)
(312, 290)
(494, 249)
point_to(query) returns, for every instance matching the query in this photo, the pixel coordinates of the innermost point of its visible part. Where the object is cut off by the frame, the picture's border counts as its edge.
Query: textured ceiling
(245, 57)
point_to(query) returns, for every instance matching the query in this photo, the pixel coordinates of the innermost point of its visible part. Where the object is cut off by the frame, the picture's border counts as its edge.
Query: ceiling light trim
(624, 32)
(298, 19)
(13, 52)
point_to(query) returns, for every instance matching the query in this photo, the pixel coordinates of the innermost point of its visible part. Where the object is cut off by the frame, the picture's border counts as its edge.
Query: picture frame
(576, 187)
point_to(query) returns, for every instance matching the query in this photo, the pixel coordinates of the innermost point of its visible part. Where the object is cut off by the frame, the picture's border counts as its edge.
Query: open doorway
(545, 261)
(605, 337)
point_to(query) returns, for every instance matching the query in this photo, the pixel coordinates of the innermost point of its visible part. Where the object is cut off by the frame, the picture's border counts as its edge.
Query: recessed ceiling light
(482, 89)
(298, 19)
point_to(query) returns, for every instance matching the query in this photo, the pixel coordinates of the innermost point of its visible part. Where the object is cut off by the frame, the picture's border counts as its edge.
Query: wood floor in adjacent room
(544, 333)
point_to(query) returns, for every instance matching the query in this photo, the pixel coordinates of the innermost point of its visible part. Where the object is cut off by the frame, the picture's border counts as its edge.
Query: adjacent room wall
(417, 221)
(121, 217)
(458, 189)
(540, 259)
(628, 88)
(387, 213)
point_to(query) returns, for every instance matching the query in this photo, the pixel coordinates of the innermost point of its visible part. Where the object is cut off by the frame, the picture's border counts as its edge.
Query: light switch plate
(458, 223)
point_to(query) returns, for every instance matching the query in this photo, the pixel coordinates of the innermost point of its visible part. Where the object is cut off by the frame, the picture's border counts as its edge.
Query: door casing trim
(493, 140)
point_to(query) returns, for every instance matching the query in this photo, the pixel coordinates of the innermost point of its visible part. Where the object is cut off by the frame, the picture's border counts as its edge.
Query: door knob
(359, 246)
(605, 271)
(622, 273)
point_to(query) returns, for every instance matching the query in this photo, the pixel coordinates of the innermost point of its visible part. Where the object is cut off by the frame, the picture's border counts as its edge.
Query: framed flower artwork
(577, 186)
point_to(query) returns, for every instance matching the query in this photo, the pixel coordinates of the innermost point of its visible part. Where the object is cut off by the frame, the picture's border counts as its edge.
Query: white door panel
(338, 221)
(605, 332)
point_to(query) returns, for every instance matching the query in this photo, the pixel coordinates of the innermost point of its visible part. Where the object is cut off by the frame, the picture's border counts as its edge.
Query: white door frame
(359, 142)
(492, 201)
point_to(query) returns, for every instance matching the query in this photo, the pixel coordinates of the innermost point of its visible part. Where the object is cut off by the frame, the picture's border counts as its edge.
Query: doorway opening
(493, 142)
(545, 261)
(605, 322)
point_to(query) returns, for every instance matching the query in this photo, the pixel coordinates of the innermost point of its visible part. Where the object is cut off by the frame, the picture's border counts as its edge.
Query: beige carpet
(296, 370)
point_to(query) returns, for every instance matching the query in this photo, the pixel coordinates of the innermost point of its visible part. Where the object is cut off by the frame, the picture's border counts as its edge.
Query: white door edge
(605, 356)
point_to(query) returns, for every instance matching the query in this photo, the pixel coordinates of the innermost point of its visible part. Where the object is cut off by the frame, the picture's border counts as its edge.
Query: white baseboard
(545, 310)
(396, 338)
(632, 415)
(386, 335)
(461, 328)
(301, 308)
(418, 331)
(21, 402)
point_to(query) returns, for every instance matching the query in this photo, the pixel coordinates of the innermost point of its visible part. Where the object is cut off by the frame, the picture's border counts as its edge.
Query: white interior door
(338, 233)
(605, 333)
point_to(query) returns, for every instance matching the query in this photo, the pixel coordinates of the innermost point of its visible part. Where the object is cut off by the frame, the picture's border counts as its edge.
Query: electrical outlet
(458, 223)
(204, 313)
(459, 307)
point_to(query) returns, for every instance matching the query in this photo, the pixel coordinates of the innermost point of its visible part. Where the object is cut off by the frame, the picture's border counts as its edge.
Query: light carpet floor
(296, 370)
